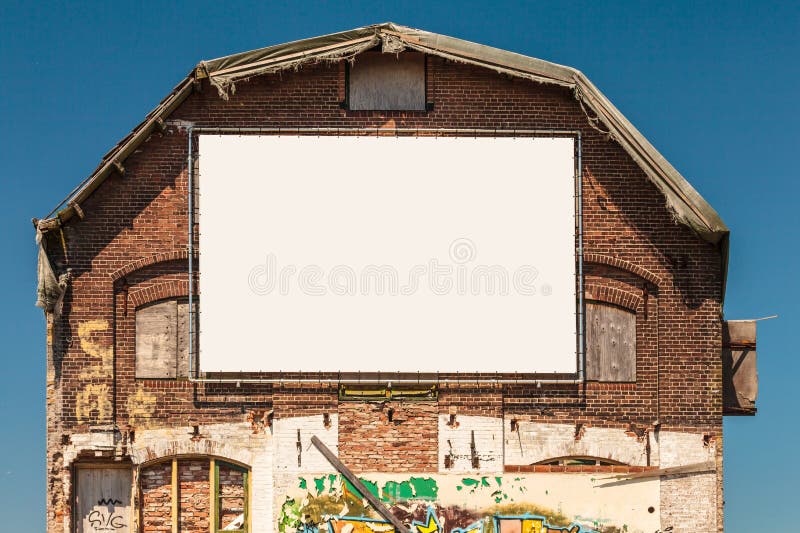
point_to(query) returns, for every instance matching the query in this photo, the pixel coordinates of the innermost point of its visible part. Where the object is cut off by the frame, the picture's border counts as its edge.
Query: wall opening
(194, 494)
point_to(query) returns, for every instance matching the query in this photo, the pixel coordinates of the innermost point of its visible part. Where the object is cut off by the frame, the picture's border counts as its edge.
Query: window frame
(214, 463)
(217, 503)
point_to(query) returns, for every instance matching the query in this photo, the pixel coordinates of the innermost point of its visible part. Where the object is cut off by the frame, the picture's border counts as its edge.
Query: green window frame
(218, 497)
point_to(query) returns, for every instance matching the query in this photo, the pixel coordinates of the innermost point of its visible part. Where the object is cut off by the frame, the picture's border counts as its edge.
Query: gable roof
(686, 204)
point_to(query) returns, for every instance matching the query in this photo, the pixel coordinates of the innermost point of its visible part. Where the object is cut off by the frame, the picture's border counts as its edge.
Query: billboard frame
(195, 376)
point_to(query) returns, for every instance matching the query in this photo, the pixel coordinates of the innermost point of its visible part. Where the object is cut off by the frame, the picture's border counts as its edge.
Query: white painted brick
(688, 501)
(534, 442)
(285, 442)
(457, 439)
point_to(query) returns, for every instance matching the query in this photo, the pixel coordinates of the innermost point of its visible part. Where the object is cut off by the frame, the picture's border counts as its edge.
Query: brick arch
(612, 295)
(627, 266)
(133, 266)
(549, 461)
(163, 450)
(158, 291)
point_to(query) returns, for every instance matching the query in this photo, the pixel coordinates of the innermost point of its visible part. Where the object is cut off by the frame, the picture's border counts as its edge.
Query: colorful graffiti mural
(452, 504)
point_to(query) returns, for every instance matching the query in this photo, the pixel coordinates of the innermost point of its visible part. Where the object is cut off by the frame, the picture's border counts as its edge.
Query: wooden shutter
(157, 340)
(162, 339)
(610, 343)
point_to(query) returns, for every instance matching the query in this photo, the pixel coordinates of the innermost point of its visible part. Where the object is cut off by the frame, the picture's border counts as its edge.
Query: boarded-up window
(103, 500)
(610, 343)
(162, 339)
(387, 82)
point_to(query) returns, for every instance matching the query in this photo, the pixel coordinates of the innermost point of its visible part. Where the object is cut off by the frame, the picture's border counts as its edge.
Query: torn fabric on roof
(50, 289)
(223, 73)
(686, 204)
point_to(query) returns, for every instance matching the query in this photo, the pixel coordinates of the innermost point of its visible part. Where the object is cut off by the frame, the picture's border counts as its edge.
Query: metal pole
(378, 505)
(581, 317)
(378, 131)
(190, 191)
(420, 381)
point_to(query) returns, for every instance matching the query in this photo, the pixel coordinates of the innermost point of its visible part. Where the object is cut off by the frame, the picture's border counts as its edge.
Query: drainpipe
(581, 315)
(190, 193)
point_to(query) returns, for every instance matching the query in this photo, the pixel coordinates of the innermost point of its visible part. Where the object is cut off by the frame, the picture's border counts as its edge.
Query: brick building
(141, 438)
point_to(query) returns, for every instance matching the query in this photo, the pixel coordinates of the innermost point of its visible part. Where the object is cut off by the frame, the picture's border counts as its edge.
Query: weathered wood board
(610, 343)
(156, 340)
(739, 367)
(183, 336)
(387, 82)
(103, 500)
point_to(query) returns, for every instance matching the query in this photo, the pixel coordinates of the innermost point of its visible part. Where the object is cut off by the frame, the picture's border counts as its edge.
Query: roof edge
(687, 205)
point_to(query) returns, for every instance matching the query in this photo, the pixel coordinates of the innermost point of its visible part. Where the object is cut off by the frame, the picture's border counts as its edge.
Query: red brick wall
(131, 219)
(389, 437)
(194, 496)
(156, 497)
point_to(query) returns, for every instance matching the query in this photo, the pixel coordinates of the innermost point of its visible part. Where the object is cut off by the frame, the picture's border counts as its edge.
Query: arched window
(194, 494)
(579, 460)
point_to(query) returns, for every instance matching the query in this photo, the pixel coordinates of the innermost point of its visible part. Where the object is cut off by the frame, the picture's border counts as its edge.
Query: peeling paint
(546, 502)
(141, 406)
(102, 357)
(415, 487)
(94, 397)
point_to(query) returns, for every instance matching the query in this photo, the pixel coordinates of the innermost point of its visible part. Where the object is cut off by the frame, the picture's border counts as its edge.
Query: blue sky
(712, 85)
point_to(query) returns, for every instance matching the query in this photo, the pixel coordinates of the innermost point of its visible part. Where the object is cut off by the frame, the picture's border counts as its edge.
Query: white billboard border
(391, 377)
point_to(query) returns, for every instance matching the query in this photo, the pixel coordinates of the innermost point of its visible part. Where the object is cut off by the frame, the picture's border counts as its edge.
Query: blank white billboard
(387, 254)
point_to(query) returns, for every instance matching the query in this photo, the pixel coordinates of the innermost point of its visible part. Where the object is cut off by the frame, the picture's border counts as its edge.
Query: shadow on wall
(609, 195)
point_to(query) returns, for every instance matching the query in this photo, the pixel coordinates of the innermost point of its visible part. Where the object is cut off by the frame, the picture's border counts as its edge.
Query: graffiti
(533, 524)
(357, 525)
(289, 517)
(102, 521)
(458, 504)
(430, 526)
(477, 527)
(102, 499)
